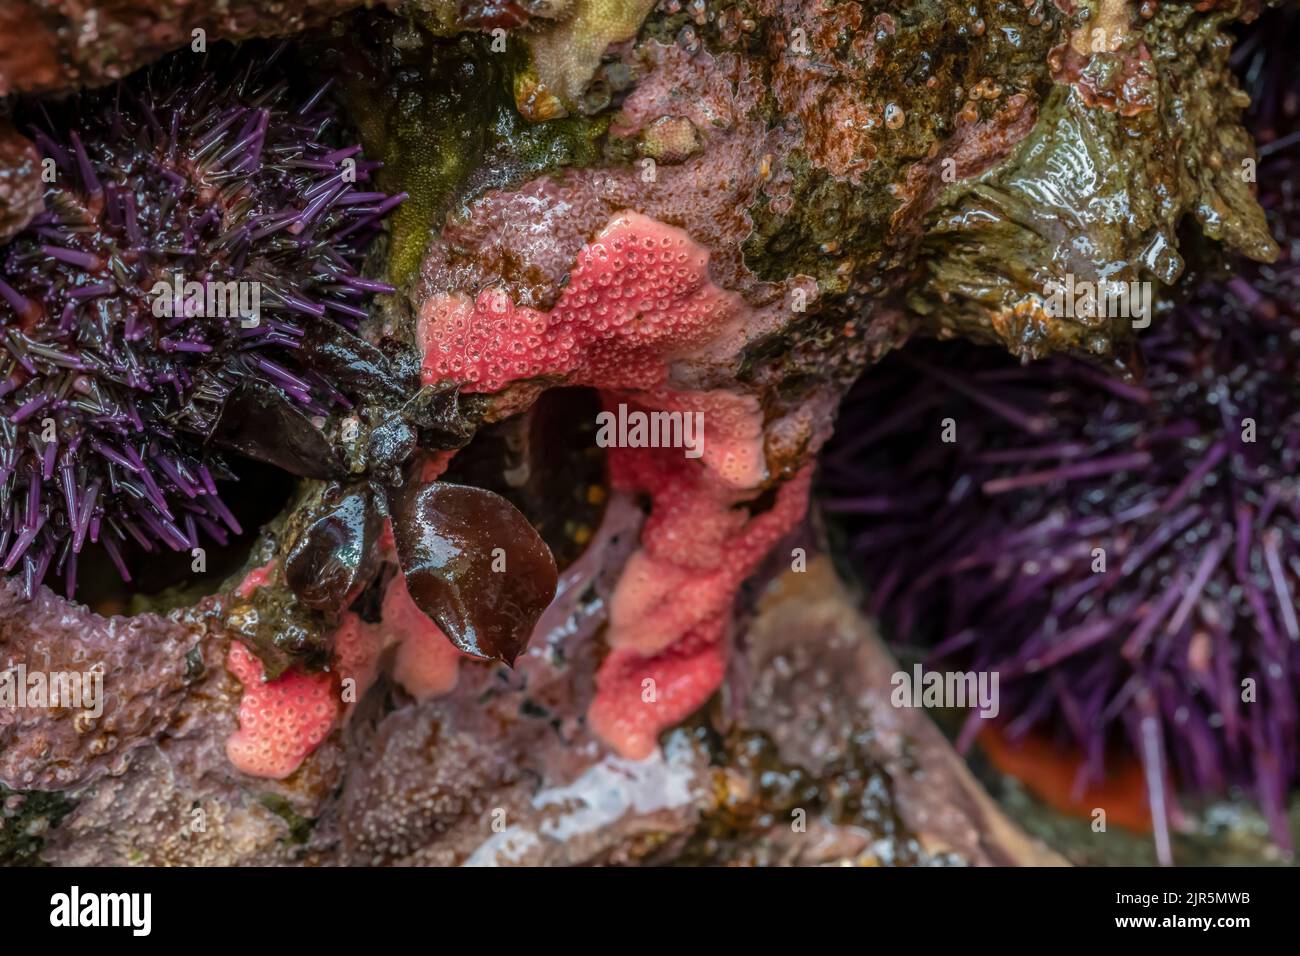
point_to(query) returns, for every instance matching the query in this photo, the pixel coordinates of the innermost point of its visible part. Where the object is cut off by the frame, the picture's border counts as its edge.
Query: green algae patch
(300, 827)
(439, 113)
(25, 817)
(1096, 194)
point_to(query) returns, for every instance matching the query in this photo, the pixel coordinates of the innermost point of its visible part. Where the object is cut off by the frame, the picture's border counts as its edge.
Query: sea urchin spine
(1124, 557)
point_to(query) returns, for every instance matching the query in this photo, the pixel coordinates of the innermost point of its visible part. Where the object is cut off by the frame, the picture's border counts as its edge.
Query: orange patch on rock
(1051, 774)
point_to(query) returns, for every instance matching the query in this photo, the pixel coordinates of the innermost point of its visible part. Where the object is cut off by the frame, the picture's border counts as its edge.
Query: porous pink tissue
(638, 697)
(357, 646)
(733, 428)
(669, 612)
(426, 663)
(280, 721)
(639, 299)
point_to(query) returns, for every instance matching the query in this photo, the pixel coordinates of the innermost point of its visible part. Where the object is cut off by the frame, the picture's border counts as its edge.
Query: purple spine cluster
(1124, 556)
(202, 170)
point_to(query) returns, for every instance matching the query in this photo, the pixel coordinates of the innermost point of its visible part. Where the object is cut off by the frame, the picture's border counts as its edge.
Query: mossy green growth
(565, 56)
(439, 113)
(25, 817)
(1095, 194)
(843, 227)
(299, 826)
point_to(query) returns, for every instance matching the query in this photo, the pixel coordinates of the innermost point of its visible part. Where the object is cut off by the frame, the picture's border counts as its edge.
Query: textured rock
(21, 191)
(432, 785)
(48, 47)
(143, 661)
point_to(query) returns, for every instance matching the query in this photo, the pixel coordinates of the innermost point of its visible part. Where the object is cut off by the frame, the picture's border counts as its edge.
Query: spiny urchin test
(201, 220)
(1125, 556)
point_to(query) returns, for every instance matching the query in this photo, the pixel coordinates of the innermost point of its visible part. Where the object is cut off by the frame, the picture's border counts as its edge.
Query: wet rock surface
(139, 662)
(148, 781)
(48, 47)
(502, 772)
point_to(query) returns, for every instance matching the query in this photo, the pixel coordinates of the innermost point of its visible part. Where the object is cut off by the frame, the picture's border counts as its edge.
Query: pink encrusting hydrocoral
(638, 318)
(637, 697)
(669, 613)
(733, 425)
(280, 721)
(699, 543)
(639, 297)
(426, 662)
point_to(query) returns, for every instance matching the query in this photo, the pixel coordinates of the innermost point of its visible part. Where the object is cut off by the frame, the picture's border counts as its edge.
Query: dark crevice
(164, 578)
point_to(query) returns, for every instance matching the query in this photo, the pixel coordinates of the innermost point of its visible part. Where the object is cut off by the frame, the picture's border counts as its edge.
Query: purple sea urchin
(123, 373)
(1127, 557)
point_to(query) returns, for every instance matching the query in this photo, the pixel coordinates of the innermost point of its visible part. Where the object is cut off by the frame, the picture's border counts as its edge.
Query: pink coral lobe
(357, 646)
(637, 697)
(427, 663)
(280, 721)
(284, 720)
(639, 311)
(669, 611)
(733, 428)
(639, 295)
